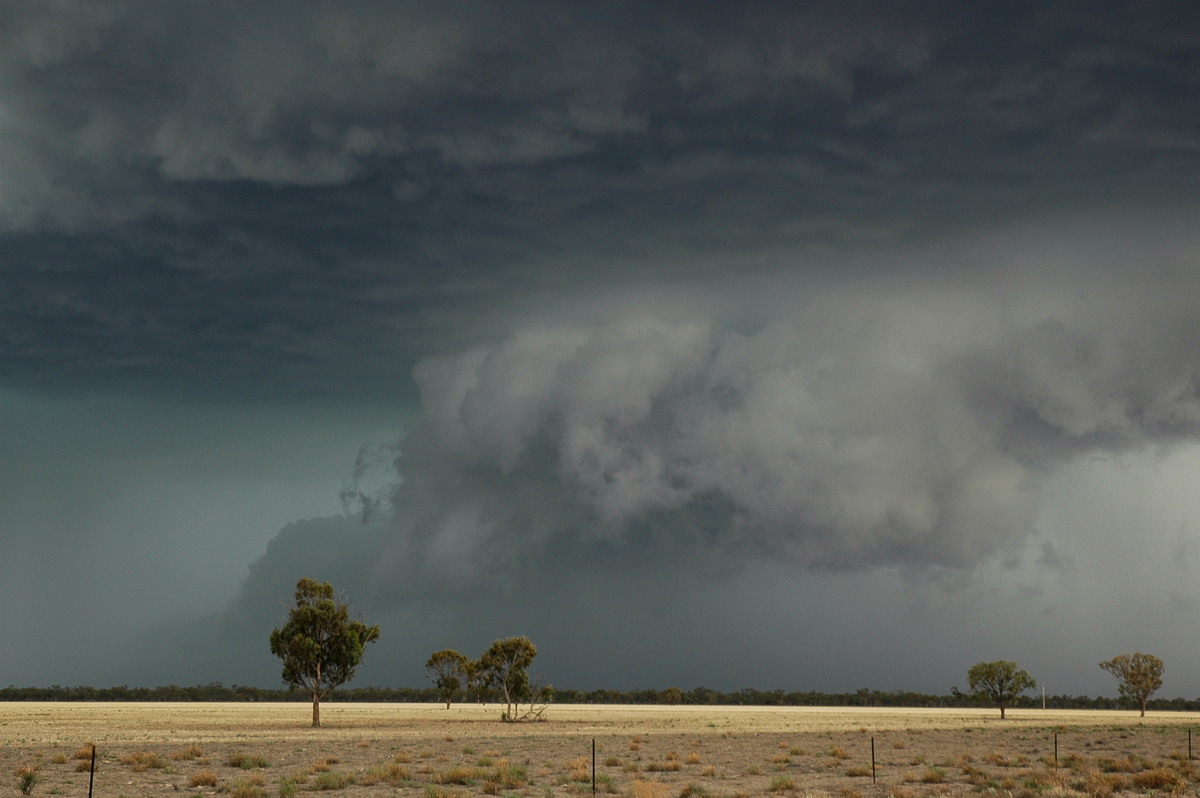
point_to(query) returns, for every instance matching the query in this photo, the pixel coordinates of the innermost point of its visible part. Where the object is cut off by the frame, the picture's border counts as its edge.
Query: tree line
(864, 697)
(320, 646)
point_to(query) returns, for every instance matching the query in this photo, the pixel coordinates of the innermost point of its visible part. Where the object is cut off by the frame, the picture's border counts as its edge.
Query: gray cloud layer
(679, 304)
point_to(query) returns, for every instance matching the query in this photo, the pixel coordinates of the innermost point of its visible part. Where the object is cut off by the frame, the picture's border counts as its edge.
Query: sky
(804, 346)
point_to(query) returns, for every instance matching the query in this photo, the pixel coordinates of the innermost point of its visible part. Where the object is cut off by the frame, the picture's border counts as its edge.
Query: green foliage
(332, 780)
(999, 682)
(26, 778)
(1138, 676)
(319, 644)
(781, 784)
(504, 665)
(448, 669)
(247, 761)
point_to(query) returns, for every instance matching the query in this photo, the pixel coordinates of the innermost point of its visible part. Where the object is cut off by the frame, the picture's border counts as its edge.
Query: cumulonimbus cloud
(864, 429)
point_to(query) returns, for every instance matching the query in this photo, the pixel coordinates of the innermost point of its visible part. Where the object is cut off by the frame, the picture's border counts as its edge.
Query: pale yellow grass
(198, 723)
(729, 750)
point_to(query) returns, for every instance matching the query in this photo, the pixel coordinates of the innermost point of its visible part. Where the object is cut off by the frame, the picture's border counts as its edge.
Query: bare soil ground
(261, 750)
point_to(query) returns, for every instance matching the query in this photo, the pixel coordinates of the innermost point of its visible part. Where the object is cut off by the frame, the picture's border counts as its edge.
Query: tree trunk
(316, 709)
(1001, 712)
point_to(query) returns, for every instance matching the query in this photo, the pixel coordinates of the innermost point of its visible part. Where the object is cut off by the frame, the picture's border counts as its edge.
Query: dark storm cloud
(858, 429)
(683, 294)
(306, 193)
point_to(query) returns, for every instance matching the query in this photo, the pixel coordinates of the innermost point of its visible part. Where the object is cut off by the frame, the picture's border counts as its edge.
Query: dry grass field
(267, 750)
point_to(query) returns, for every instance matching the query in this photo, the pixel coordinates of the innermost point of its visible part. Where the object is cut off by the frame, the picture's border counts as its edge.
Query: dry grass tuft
(781, 784)
(1159, 779)
(203, 778)
(647, 789)
(140, 761)
(244, 789)
(578, 770)
(393, 774)
(187, 754)
(332, 780)
(459, 775)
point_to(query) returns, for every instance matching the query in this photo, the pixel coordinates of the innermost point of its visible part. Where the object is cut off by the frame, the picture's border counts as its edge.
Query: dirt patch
(259, 750)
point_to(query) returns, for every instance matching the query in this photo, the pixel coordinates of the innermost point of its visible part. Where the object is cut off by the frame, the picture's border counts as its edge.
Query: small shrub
(187, 754)
(1159, 779)
(709, 771)
(244, 789)
(606, 784)
(858, 771)
(781, 784)
(578, 770)
(393, 774)
(837, 752)
(612, 762)
(246, 761)
(287, 788)
(438, 791)
(693, 791)
(933, 776)
(140, 761)
(332, 780)
(203, 778)
(59, 759)
(508, 775)
(1102, 785)
(85, 752)
(1126, 765)
(26, 778)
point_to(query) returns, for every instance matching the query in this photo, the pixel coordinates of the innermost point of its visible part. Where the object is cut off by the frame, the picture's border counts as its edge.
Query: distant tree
(999, 682)
(1138, 676)
(474, 681)
(319, 645)
(505, 666)
(448, 669)
(671, 696)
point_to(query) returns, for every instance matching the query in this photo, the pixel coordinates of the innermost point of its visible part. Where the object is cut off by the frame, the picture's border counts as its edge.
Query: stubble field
(267, 750)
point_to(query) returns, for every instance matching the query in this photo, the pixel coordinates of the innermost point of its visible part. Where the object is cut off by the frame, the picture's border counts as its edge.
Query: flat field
(261, 750)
